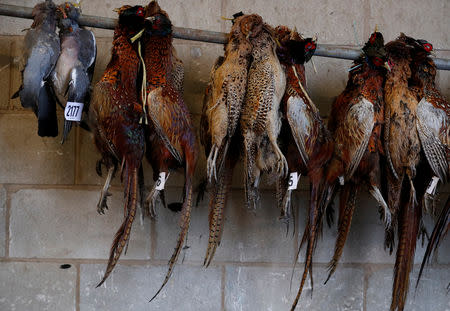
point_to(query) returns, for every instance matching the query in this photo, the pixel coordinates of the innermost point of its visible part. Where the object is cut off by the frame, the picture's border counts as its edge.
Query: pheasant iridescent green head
(292, 48)
(131, 15)
(158, 22)
(427, 46)
(374, 51)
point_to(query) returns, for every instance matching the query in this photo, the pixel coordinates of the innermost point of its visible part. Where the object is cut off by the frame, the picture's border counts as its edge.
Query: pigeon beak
(386, 65)
(62, 12)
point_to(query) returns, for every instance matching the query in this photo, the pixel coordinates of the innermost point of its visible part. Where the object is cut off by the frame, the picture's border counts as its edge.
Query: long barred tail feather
(408, 227)
(442, 223)
(184, 225)
(123, 234)
(216, 216)
(347, 203)
(309, 237)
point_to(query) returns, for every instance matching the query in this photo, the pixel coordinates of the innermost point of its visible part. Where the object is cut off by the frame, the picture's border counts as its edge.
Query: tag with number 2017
(73, 111)
(293, 180)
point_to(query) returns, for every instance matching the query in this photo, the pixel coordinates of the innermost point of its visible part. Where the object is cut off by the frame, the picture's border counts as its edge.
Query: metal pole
(323, 50)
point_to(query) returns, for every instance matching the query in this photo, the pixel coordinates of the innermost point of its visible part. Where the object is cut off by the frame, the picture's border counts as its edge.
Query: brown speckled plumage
(261, 118)
(223, 100)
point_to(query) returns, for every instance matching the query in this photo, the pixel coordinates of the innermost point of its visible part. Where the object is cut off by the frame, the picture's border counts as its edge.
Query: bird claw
(428, 202)
(102, 203)
(211, 164)
(150, 202)
(282, 166)
(387, 218)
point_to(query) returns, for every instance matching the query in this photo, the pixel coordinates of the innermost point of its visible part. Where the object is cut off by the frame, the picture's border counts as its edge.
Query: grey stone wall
(48, 191)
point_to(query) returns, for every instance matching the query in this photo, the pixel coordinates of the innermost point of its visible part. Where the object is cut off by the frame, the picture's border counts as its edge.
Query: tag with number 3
(161, 181)
(293, 180)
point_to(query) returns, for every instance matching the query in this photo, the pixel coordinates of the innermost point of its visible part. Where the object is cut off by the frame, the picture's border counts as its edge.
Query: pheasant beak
(117, 10)
(387, 66)
(248, 35)
(151, 18)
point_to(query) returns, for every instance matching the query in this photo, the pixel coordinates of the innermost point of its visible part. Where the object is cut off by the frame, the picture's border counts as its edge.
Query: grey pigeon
(73, 72)
(41, 52)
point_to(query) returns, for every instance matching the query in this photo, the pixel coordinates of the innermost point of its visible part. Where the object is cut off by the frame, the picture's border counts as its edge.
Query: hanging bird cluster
(58, 69)
(261, 81)
(134, 115)
(388, 130)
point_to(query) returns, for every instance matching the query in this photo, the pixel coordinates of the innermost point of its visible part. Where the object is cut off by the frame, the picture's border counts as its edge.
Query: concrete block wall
(54, 245)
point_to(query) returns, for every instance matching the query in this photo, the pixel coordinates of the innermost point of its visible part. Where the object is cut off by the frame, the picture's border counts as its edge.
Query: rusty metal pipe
(323, 50)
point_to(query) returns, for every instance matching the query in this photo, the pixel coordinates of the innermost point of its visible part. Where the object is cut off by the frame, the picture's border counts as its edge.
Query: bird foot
(286, 205)
(150, 202)
(376, 193)
(429, 201)
(102, 202)
(211, 170)
(282, 166)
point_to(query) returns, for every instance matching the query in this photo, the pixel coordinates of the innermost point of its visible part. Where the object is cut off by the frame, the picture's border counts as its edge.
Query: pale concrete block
(198, 59)
(131, 287)
(2, 220)
(37, 287)
(65, 224)
(392, 18)
(5, 66)
(14, 25)
(329, 81)
(430, 295)
(104, 46)
(443, 76)
(28, 158)
(261, 288)
(254, 235)
(17, 63)
(331, 22)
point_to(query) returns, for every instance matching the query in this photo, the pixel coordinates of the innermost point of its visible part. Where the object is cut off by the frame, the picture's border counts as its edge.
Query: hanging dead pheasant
(221, 112)
(357, 127)
(304, 138)
(171, 143)
(261, 118)
(115, 112)
(416, 115)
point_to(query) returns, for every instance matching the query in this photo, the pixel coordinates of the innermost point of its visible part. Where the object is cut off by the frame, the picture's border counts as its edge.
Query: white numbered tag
(73, 111)
(432, 186)
(161, 181)
(293, 180)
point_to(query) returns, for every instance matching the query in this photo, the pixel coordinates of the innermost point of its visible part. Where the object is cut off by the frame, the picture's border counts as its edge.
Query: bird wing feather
(164, 115)
(301, 124)
(430, 122)
(353, 136)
